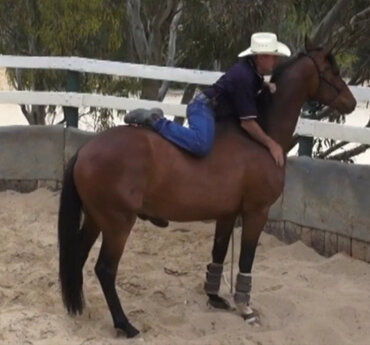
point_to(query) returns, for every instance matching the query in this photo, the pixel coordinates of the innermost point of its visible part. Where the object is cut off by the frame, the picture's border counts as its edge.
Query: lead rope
(232, 263)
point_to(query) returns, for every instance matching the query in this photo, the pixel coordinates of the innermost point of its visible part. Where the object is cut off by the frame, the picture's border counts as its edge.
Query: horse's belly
(190, 197)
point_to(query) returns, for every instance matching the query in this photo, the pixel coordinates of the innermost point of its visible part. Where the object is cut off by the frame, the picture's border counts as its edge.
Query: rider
(234, 94)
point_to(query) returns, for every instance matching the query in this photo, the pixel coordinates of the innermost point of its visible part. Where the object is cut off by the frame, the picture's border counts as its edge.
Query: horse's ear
(308, 44)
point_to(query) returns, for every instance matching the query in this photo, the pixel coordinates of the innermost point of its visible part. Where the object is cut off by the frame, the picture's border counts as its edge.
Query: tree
(89, 28)
(152, 34)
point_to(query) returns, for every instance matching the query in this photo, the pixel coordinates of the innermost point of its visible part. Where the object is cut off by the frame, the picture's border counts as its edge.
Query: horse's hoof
(251, 318)
(218, 302)
(129, 330)
(248, 314)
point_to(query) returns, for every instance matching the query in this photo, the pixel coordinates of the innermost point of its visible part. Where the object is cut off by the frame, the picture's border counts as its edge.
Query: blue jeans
(198, 138)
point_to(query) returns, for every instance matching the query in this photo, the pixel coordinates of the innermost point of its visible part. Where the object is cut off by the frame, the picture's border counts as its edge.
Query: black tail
(70, 263)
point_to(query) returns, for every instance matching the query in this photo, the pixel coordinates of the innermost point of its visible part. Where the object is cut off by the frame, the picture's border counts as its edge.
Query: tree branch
(332, 149)
(137, 28)
(346, 155)
(360, 15)
(171, 48)
(325, 28)
(355, 20)
(26, 113)
(167, 12)
(8, 31)
(160, 27)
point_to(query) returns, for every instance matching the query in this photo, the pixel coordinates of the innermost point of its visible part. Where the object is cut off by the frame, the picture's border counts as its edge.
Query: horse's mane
(281, 68)
(265, 99)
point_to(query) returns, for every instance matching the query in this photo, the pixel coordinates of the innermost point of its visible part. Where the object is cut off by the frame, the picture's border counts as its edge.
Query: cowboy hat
(265, 43)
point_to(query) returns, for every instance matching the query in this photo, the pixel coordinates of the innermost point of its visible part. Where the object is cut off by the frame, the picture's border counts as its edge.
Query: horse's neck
(288, 100)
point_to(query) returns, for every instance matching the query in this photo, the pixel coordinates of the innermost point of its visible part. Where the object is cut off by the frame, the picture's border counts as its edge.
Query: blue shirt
(236, 91)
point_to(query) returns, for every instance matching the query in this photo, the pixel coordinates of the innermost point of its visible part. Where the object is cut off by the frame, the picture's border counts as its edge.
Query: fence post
(305, 146)
(306, 143)
(72, 85)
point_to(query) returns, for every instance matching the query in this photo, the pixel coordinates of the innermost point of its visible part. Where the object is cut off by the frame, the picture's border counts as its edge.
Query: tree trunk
(186, 98)
(332, 149)
(346, 155)
(36, 115)
(149, 89)
(148, 36)
(171, 48)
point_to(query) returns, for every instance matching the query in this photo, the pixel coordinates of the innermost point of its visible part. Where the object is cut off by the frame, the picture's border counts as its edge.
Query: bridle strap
(321, 74)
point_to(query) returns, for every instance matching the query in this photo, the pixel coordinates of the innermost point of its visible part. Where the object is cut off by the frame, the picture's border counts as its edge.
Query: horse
(128, 171)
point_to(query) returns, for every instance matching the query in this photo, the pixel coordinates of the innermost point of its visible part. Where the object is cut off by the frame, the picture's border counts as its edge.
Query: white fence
(304, 127)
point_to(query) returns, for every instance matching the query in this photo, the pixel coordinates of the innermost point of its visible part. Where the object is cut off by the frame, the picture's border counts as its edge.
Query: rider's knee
(203, 148)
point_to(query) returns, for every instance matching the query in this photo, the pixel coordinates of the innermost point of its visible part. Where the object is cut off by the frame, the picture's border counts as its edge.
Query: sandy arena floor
(302, 297)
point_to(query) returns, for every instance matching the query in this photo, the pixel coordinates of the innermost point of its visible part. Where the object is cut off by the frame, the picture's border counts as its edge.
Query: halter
(321, 74)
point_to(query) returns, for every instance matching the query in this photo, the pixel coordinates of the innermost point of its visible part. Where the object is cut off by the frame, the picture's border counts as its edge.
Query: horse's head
(326, 84)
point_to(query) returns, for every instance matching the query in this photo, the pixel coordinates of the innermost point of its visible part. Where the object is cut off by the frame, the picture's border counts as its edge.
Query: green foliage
(88, 28)
(220, 30)
(209, 36)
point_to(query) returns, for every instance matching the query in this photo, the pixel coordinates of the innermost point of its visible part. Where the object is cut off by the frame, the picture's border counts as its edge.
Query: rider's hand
(277, 153)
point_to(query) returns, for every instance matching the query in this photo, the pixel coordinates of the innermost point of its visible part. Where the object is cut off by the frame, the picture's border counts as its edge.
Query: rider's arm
(257, 133)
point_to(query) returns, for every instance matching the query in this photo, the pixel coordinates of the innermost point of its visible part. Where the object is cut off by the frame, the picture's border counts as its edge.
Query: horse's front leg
(253, 223)
(224, 228)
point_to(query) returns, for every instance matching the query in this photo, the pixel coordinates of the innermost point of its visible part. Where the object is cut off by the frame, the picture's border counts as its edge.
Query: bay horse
(127, 171)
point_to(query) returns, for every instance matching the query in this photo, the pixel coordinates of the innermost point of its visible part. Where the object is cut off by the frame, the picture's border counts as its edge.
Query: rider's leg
(197, 139)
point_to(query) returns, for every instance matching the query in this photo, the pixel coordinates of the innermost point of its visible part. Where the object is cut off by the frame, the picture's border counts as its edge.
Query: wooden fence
(305, 127)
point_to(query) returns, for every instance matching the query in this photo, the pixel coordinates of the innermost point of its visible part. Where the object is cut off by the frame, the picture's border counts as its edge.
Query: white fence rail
(111, 68)
(73, 99)
(304, 127)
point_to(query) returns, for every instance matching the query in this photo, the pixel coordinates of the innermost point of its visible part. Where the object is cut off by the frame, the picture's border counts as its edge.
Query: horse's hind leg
(114, 240)
(224, 228)
(87, 236)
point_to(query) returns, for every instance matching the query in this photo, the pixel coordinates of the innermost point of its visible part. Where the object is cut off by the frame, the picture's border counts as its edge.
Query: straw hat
(265, 43)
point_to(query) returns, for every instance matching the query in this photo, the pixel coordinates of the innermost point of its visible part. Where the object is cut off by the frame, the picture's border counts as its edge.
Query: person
(233, 95)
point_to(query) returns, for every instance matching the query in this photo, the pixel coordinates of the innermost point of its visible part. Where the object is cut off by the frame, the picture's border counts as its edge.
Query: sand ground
(302, 298)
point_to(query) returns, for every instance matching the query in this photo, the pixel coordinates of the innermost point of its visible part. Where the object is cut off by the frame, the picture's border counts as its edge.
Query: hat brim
(282, 50)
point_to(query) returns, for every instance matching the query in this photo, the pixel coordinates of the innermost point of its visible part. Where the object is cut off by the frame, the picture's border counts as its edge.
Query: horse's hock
(325, 204)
